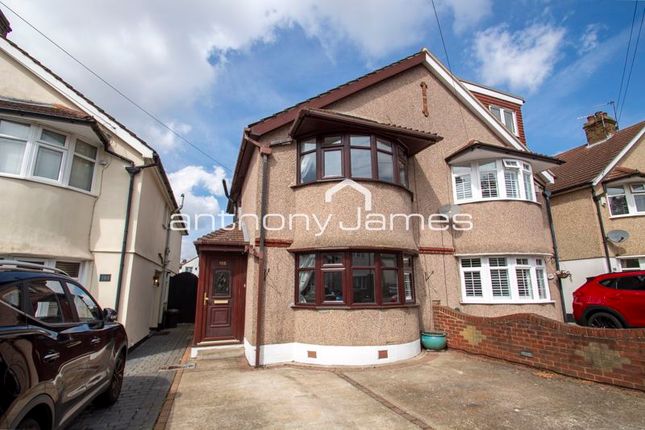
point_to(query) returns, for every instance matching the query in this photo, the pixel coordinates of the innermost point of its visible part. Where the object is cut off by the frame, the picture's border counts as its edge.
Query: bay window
(626, 199)
(492, 180)
(354, 278)
(357, 156)
(33, 151)
(13, 141)
(503, 279)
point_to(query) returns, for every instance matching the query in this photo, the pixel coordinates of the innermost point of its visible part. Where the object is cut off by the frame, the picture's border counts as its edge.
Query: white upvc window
(504, 279)
(506, 117)
(502, 179)
(47, 155)
(631, 263)
(626, 199)
(77, 270)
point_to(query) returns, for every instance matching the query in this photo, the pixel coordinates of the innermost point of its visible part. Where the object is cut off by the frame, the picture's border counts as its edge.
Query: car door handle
(95, 340)
(51, 356)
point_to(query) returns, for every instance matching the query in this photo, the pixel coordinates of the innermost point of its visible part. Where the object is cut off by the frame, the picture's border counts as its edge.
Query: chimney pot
(598, 127)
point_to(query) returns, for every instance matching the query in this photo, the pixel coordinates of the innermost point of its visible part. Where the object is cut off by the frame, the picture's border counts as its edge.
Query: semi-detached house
(599, 202)
(413, 139)
(82, 193)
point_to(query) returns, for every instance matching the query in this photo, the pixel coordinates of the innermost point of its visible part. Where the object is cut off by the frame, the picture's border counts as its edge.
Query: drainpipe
(133, 171)
(265, 151)
(556, 254)
(596, 199)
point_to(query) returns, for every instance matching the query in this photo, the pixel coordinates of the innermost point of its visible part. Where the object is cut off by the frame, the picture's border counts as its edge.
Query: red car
(612, 300)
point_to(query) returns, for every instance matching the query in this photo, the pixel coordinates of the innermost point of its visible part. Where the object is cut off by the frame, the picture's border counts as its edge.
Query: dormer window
(505, 116)
(356, 156)
(505, 179)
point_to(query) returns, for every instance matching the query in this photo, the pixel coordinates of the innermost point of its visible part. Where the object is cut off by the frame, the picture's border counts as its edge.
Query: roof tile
(586, 162)
(229, 235)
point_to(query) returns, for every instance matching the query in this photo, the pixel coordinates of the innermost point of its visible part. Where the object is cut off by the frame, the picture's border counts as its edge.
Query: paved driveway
(144, 385)
(448, 390)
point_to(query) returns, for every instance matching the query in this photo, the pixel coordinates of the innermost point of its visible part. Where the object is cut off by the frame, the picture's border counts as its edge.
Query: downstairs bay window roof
(317, 121)
(476, 150)
(72, 121)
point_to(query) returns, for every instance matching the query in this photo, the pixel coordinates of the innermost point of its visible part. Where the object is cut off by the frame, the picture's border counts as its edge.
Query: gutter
(596, 200)
(132, 171)
(556, 255)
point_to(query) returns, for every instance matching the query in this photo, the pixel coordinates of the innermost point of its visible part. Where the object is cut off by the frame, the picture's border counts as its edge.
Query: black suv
(58, 350)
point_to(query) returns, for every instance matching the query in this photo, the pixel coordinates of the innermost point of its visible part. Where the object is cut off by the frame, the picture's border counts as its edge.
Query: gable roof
(92, 110)
(323, 100)
(588, 164)
(423, 57)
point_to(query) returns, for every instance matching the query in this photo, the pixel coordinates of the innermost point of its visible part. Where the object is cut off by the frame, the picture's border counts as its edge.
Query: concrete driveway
(448, 390)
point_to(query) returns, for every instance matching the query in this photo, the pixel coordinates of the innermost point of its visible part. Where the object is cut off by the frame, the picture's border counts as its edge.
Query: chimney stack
(599, 126)
(5, 28)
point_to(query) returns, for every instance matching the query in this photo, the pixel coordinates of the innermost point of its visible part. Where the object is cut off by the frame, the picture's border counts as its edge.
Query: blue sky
(213, 67)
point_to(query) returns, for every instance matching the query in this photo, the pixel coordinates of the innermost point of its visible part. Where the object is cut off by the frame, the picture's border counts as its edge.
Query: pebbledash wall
(614, 357)
(341, 336)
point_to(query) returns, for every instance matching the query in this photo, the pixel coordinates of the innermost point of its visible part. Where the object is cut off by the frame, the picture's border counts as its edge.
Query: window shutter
(473, 282)
(512, 188)
(489, 184)
(524, 288)
(463, 187)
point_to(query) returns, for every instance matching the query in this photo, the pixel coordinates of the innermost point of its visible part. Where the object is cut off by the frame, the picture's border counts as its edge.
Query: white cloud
(468, 13)
(522, 59)
(158, 52)
(163, 139)
(589, 39)
(200, 188)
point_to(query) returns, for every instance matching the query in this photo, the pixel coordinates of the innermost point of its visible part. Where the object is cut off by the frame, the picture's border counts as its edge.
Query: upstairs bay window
(493, 180)
(506, 117)
(626, 199)
(503, 279)
(356, 156)
(32, 151)
(354, 278)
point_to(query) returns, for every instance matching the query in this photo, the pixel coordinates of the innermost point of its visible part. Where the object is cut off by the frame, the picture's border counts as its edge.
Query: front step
(216, 352)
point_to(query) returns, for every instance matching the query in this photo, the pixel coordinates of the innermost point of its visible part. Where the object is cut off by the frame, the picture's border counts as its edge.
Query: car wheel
(604, 320)
(28, 424)
(111, 395)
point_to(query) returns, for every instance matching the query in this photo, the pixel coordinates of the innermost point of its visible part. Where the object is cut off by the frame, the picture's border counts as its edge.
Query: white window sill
(627, 215)
(497, 199)
(48, 182)
(507, 302)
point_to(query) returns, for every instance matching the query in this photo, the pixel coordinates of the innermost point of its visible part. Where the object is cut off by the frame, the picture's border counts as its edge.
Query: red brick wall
(488, 100)
(603, 355)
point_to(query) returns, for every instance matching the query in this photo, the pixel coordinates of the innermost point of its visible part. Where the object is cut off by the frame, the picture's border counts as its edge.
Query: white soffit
(488, 92)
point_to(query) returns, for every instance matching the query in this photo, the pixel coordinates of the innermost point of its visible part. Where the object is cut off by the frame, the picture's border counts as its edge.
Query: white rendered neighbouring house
(70, 177)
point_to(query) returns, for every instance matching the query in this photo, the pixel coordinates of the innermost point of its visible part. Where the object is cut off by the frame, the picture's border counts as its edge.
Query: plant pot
(433, 340)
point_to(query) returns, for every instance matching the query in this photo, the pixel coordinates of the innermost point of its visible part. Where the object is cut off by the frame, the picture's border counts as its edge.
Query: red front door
(222, 298)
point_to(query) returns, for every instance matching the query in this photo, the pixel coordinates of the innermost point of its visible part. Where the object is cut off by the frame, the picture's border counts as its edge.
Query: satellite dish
(617, 236)
(449, 210)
